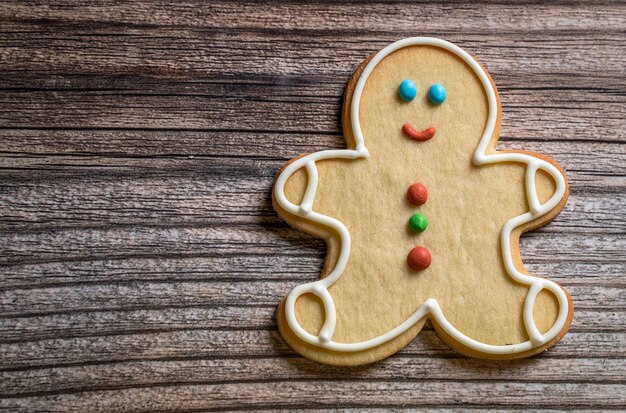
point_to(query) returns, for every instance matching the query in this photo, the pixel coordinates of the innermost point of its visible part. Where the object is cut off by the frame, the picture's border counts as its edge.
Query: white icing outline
(430, 307)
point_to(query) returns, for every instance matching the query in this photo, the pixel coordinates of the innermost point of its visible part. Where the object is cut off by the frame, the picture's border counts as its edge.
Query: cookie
(422, 218)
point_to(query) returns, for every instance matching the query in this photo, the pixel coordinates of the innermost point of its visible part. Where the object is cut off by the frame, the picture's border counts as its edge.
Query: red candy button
(417, 194)
(419, 258)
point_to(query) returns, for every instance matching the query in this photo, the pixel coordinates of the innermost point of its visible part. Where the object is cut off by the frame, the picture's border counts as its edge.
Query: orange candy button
(419, 258)
(417, 194)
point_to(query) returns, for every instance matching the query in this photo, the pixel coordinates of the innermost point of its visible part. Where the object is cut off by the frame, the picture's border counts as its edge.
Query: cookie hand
(532, 192)
(305, 209)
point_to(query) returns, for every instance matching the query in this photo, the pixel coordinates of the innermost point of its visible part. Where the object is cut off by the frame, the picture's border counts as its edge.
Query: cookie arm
(305, 211)
(537, 210)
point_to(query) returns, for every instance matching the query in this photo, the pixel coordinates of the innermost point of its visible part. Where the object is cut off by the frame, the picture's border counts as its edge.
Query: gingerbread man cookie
(422, 218)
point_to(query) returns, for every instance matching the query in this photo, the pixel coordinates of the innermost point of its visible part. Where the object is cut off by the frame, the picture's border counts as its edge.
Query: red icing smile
(421, 136)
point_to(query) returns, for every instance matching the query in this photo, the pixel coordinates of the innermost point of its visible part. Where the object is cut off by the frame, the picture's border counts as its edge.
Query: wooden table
(142, 260)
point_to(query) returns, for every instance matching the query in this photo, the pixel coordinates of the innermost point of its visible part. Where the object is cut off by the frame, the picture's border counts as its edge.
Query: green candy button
(418, 222)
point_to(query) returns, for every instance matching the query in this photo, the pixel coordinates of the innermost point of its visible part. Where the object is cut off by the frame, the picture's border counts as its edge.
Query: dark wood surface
(142, 260)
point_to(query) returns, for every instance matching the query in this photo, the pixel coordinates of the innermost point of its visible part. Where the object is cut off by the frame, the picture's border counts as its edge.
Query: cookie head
(420, 94)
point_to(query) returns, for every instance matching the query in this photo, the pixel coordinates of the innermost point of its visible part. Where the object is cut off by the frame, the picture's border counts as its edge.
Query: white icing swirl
(430, 308)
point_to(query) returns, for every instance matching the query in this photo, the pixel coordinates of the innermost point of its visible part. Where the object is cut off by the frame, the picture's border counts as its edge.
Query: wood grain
(140, 258)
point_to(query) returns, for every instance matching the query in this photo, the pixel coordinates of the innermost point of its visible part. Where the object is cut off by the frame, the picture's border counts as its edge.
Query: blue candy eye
(407, 90)
(437, 93)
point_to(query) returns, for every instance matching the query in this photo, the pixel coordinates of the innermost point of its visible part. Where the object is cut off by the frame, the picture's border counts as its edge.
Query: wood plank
(298, 394)
(377, 17)
(236, 343)
(120, 242)
(590, 156)
(156, 150)
(175, 51)
(294, 268)
(118, 296)
(300, 266)
(18, 170)
(74, 379)
(591, 116)
(147, 318)
(218, 198)
(180, 50)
